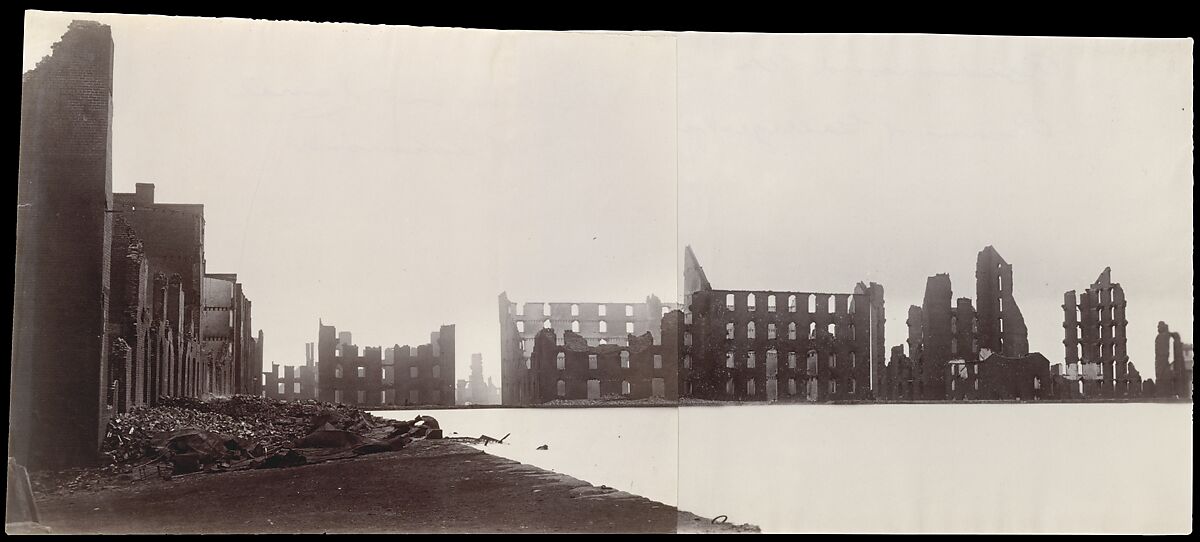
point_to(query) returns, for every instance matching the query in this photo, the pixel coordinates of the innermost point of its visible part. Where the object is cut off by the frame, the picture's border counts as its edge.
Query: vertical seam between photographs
(678, 286)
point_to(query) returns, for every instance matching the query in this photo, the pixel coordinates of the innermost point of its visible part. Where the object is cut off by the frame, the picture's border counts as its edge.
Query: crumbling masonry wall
(415, 375)
(570, 369)
(58, 400)
(1095, 337)
(596, 323)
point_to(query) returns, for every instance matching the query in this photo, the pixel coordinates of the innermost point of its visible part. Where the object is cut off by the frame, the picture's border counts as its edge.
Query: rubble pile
(181, 436)
(261, 421)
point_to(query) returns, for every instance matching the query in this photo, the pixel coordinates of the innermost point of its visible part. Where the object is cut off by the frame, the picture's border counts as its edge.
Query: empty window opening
(658, 361)
(750, 330)
(687, 361)
(337, 396)
(295, 387)
(729, 360)
(624, 359)
(729, 302)
(812, 330)
(791, 303)
(829, 330)
(561, 361)
(771, 331)
(593, 389)
(811, 362)
(603, 326)
(574, 310)
(520, 327)
(853, 386)
(520, 310)
(832, 304)
(362, 396)
(750, 387)
(729, 330)
(561, 388)
(750, 360)
(812, 303)
(791, 386)
(791, 360)
(658, 387)
(281, 388)
(337, 371)
(362, 372)
(750, 302)
(729, 387)
(628, 310)
(687, 339)
(545, 309)
(832, 360)
(602, 310)
(771, 303)
(575, 326)
(547, 325)
(625, 388)
(853, 361)
(953, 324)
(413, 372)
(603, 341)
(832, 387)
(593, 363)
(628, 327)
(792, 331)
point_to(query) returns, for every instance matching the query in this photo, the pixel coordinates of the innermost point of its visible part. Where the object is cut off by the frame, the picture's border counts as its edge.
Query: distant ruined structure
(1097, 363)
(596, 324)
(569, 368)
(1173, 373)
(475, 390)
(295, 383)
(408, 375)
(957, 351)
(741, 345)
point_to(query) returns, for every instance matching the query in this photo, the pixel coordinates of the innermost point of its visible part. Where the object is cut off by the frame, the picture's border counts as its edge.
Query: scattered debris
(544, 447)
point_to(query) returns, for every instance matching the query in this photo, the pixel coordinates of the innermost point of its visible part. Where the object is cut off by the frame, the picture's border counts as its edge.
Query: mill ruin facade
(408, 375)
(741, 345)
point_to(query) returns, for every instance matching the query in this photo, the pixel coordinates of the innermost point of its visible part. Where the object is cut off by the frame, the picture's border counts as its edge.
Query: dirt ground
(429, 486)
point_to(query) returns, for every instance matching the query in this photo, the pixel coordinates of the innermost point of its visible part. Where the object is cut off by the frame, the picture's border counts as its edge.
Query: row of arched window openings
(594, 361)
(414, 396)
(752, 331)
(812, 360)
(793, 388)
(601, 310)
(594, 387)
(602, 326)
(792, 302)
(413, 372)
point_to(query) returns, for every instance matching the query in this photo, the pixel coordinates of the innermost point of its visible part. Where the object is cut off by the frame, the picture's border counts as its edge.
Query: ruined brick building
(596, 324)
(408, 375)
(108, 287)
(294, 383)
(1097, 363)
(63, 249)
(475, 390)
(1172, 365)
(958, 351)
(742, 345)
(569, 367)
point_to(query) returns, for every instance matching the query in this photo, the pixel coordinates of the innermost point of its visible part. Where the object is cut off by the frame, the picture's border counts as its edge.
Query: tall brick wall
(58, 404)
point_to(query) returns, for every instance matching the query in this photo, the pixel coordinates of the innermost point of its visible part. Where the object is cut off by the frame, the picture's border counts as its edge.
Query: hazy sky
(390, 180)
